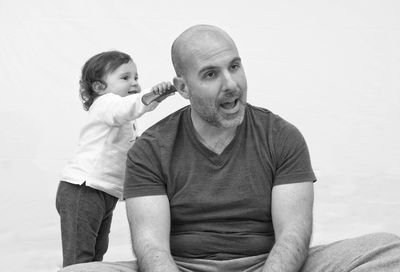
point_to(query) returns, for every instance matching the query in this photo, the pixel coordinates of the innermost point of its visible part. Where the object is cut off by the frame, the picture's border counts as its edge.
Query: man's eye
(209, 75)
(235, 66)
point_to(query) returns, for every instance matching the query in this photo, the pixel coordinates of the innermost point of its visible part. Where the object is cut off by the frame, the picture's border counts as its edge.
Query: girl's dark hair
(95, 69)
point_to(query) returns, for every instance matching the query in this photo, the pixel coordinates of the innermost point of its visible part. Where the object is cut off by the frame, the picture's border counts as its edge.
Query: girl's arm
(116, 110)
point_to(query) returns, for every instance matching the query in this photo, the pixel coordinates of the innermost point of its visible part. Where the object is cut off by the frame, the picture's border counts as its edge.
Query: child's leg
(81, 210)
(104, 231)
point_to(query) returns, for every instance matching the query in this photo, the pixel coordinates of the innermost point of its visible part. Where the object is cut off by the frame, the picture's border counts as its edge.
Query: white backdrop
(332, 68)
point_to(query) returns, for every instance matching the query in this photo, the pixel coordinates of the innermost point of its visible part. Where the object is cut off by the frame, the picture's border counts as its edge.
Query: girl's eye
(125, 77)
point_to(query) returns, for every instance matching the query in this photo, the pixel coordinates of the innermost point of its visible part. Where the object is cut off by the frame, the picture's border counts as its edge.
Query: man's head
(209, 73)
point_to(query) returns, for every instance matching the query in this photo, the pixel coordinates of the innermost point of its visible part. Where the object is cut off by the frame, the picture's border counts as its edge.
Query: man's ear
(181, 87)
(99, 87)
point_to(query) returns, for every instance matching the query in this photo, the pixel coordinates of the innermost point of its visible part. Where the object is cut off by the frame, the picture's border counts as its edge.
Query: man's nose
(229, 83)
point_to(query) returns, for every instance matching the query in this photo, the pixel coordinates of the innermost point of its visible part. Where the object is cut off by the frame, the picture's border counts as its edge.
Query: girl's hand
(159, 92)
(161, 88)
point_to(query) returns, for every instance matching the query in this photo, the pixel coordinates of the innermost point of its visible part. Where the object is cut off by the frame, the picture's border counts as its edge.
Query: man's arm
(292, 206)
(149, 222)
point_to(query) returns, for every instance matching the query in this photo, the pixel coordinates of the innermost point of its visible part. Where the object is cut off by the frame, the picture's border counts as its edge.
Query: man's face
(216, 82)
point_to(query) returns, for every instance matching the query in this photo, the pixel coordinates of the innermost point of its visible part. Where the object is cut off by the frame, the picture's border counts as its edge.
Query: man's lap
(248, 264)
(373, 252)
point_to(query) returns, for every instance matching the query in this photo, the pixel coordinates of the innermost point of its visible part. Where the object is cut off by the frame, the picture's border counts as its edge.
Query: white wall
(330, 67)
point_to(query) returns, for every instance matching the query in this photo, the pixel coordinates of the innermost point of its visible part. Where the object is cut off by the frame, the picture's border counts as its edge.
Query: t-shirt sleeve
(143, 175)
(293, 163)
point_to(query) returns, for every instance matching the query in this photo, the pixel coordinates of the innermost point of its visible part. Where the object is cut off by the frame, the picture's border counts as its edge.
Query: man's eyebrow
(209, 67)
(212, 67)
(237, 59)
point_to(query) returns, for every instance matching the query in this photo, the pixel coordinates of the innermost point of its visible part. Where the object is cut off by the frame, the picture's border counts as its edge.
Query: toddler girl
(92, 182)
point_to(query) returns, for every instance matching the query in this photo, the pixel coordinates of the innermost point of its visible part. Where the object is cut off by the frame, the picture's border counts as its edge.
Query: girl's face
(123, 81)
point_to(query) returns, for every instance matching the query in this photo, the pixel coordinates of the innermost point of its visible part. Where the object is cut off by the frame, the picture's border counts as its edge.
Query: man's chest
(236, 184)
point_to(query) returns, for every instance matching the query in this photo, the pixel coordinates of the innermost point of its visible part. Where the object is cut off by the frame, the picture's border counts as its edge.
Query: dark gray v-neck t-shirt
(220, 204)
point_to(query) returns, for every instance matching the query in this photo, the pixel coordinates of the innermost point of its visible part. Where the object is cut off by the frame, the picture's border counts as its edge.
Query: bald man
(221, 185)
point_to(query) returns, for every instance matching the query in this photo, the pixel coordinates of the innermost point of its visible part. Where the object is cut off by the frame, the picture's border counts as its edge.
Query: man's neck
(214, 138)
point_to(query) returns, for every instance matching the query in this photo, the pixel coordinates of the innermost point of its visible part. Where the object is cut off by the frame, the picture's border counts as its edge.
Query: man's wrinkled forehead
(207, 47)
(205, 43)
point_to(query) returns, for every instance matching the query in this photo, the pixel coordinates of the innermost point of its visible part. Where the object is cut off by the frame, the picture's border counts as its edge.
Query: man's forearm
(149, 223)
(290, 250)
(154, 260)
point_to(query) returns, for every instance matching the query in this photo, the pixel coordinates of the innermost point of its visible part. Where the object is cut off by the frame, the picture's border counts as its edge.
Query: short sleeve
(143, 175)
(293, 163)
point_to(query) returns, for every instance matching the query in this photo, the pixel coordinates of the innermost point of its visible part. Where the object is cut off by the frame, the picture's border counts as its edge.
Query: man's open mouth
(229, 104)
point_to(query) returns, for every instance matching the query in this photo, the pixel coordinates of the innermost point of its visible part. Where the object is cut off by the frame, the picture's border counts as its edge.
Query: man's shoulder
(258, 111)
(260, 114)
(166, 128)
(265, 117)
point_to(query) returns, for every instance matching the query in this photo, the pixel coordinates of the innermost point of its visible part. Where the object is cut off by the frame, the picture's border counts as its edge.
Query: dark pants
(86, 216)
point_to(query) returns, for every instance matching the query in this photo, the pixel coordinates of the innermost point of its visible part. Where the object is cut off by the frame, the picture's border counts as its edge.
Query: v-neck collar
(215, 158)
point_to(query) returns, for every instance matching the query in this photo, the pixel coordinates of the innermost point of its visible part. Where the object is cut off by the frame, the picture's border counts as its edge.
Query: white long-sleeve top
(105, 138)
